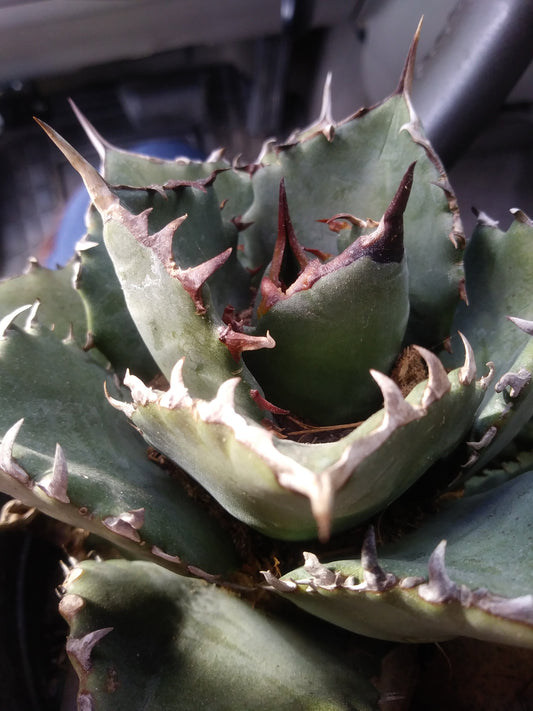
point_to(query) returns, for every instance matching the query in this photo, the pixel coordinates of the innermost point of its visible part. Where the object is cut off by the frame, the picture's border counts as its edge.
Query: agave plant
(246, 362)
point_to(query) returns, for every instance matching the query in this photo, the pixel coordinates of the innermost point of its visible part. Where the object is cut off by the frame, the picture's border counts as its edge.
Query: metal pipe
(477, 60)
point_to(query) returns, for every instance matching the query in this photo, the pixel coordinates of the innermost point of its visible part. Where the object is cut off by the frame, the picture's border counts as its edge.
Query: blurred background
(177, 76)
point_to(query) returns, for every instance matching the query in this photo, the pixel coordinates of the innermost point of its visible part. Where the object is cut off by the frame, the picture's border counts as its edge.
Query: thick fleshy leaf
(170, 306)
(366, 157)
(120, 167)
(170, 643)
(99, 477)
(466, 572)
(499, 268)
(335, 322)
(60, 307)
(259, 478)
(110, 325)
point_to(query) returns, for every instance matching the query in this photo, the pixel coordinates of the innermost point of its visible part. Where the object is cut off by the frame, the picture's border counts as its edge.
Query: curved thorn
(468, 372)
(375, 577)
(487, 438)
(440, 588)
(486, 379)
(266, 148)
(397, 410)
(221, 409)
(82, 647)
(55, 485)
(322, 576)
(177, 395)
(438, 384)
(141, 393)
(7, 462)
(30, 318)
(8, 319)
(281, 586)
(127, 408)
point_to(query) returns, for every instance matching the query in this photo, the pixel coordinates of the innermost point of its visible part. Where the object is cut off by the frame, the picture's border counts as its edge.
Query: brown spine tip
(237, 342)
(406, 78)
(386, 243)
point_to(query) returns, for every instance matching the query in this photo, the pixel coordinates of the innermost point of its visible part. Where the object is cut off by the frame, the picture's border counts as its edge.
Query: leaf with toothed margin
(466, 572)
(171, 643)
(200, 236)
(99, 477)
(286, 489)
(335, 321)
(168, 316)
(233, 186)
(366, 157)
(60, 307)
(499, 270)
(110, 326)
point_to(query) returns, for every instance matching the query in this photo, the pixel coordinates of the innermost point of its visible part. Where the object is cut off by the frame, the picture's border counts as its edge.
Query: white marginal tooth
(322, 576)
(523, 324)
(126, 524)
(7, 463)
(321, 500)
(397, 410)
(486, 379)
(30, 318)
(520, 216)
(81, 648)
(177, 395)
(375, 577)
(141, 394)
(278, 585)
(221, 408)
(84, 245)
(166, 556)
(516, 382)
(55, 485)
(326, 120)
(468, 372)
(8, 319)
(216, 155)
(266, 148)
(487, 438)
(438, 383)
(440, 588)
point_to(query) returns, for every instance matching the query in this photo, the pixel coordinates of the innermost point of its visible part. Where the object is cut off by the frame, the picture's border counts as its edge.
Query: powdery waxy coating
(333, 321)
(167, 420)
(343, 592)
(176, 246)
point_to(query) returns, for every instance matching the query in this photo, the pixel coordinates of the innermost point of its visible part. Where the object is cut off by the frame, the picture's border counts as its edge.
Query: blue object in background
(72, 227)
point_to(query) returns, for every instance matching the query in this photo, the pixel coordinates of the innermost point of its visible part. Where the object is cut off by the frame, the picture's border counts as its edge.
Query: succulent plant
(247, 361)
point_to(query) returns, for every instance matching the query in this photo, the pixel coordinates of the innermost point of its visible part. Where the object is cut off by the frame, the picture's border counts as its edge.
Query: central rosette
(332, 319)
